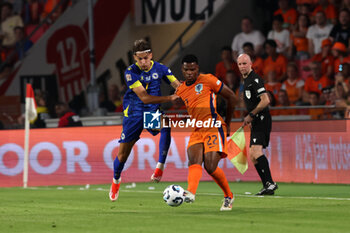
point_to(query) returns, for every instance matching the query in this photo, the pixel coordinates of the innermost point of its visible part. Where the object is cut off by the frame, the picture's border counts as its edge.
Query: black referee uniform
(261, 124)
(261, 129)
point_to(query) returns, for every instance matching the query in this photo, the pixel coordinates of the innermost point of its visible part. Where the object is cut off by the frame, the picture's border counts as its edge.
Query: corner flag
(30, 103)
(30, 114)
(237, 152)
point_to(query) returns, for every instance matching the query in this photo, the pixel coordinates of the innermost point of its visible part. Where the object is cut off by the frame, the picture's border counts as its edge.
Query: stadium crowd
(304, 60)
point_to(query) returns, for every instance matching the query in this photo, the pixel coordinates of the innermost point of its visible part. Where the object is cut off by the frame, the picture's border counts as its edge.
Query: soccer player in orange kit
(207, 143)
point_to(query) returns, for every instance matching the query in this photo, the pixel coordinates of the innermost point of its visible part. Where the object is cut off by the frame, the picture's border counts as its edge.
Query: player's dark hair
(272, 43)
(141, 45)
(189, 58)
(248, 44)
(226, 48)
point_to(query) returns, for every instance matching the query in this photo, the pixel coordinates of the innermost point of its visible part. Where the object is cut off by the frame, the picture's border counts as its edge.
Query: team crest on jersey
(128, 77)
(148, 78)
(155, 75)
(247, 94)
(198, 88)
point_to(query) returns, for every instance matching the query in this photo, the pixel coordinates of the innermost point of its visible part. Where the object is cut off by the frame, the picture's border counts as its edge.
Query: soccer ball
(173, 195)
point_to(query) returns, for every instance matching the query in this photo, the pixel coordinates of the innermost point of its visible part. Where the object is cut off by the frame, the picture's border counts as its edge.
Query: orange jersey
(290, 16)
(273, 88)
(293, 89)
(312, 85)
(220, 70)
(337, 63)
(325, 61)
(200, 97)
(200, 101)
(330, 11)
(279, 65)
(258, 66)
(300, 43)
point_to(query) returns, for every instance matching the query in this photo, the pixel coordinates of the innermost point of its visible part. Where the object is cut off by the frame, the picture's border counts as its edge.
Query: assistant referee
(257, 100)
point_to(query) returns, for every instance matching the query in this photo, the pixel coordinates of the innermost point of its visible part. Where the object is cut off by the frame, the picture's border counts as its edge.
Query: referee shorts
(261, 129)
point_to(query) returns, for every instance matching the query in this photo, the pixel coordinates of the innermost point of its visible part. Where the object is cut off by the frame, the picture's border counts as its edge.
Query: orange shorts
(212, 139)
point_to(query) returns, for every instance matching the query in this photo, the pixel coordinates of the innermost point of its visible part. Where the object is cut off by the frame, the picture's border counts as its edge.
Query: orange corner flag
(237, 152)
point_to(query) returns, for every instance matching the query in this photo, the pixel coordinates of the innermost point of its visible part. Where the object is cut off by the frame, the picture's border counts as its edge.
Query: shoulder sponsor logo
(256, 80)
(254, 140)
(128, 77)
(169, 71)
(155, 75)
(218, 82)
(248, 94)
(199, 88)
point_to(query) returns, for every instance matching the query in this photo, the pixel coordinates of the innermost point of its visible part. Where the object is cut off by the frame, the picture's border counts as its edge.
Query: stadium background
(301, 151)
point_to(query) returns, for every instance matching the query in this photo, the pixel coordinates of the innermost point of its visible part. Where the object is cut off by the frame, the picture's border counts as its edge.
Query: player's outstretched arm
(231, 99)
(175, 84)
(151, 99)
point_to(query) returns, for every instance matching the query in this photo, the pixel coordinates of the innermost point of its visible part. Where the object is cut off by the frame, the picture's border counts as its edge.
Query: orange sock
(219, 177)
(194, 176)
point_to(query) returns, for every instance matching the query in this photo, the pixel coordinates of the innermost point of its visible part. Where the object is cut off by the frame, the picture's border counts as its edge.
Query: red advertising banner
(316, 151)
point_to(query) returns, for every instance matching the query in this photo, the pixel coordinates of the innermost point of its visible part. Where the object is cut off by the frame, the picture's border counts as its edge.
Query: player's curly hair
(141, 45)
(189, 58)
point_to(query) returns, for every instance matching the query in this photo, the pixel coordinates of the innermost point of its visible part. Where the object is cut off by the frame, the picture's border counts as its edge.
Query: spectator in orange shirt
(316, 82)
(298, 37)
(258, 62)
(315, 113)
(340, 55)
(226, 63)
(274, 61)
(283, 101)
(328, 9)
(272, 84)
(325, 58)
(293, 85)
(289, 14)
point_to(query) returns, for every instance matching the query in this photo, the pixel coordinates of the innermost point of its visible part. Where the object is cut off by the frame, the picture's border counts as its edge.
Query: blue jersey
(150, 80)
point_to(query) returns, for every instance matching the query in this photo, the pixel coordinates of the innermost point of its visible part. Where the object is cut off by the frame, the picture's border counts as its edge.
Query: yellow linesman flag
(237, 152)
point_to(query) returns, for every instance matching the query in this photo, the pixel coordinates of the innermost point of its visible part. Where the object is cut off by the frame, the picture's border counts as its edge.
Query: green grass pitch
(294, 208)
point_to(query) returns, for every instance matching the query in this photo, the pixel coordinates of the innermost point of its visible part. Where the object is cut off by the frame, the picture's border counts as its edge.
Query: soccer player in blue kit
(143, 95)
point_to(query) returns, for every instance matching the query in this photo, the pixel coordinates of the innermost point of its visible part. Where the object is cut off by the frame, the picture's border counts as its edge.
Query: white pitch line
(207, 194)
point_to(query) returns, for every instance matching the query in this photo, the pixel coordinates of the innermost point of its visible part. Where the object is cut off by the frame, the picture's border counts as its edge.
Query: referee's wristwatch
(251, 115)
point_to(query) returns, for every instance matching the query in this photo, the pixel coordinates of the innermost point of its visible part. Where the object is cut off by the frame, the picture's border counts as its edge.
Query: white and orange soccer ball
(173, 195)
